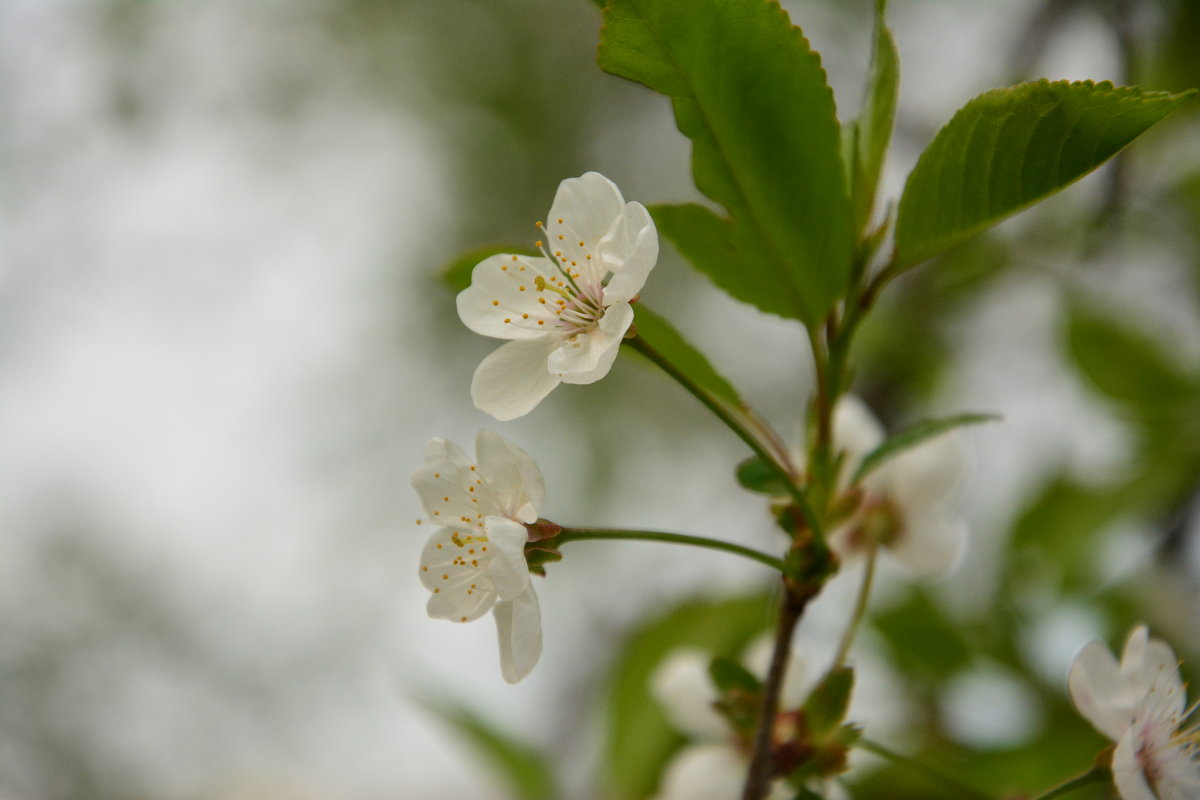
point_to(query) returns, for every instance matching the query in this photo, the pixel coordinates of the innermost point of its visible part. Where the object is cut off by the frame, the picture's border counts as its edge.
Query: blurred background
(224, 341)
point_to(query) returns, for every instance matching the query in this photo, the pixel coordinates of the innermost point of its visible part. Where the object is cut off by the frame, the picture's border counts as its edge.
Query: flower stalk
(568, 535)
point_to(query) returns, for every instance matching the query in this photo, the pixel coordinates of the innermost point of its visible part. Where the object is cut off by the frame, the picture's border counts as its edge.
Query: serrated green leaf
(663, 337)
(457, 274)
(1127, 366)
(752, 97)
(873, 128)
(1008, 148)
(524, 770)
(826, 707)
(897, 443)
(639, 741)
(755, 475)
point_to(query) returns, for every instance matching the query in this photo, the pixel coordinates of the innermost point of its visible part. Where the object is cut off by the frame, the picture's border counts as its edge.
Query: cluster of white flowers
(565, 314)
(475, 561)
(713, 765)
(908, 502)
(1141, 704)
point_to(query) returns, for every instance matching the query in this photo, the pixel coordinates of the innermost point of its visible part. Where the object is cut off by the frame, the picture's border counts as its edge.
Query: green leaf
(826, 706)
(897, 443)
(752, 96)
(525, 770)
(1008, 148)
(755, 475)
(663, 337)
(728, 674)
(639, 741)
(1128, 367)
(872, 131)
(457, 274)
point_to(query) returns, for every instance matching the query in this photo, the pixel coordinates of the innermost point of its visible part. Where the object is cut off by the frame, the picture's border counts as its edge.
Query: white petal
(519, 626)
(682, 686)
(508, 570)
(511, 381)
(856, 431)
(587, 357)
(930, 544)
(439, 451)
(443, 486)
(461, 589)
(513, 477)
(588, 205)
(1127, 771)
(1099, 692)
(629, 251)
(1161, 671)
(704, 772)
(929, 475)
(505, 289)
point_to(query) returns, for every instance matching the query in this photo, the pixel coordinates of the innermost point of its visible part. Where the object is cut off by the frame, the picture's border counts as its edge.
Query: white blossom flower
(565, 312)
(908, 501)
(475, 561)
(713, 766)
(1141, 704)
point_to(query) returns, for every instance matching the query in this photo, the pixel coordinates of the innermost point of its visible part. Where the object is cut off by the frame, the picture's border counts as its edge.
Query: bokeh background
(224, 340)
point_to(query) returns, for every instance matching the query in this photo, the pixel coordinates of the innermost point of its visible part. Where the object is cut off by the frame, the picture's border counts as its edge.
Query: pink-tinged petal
(511, 381)
(587, 206)
(930, 544)
(1127, 770)
(587, 357)
(513, 477)
(683, 688)
(629, 251)
(519, 627)
(503, 300)
(1098, 691)
(704, 772)
(1161, 671)
(508, 570)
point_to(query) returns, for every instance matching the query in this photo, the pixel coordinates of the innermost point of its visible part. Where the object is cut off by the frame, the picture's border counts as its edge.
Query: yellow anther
(538, 244)
(523, 316)
(581, 244)
(504, 267)
(506, 319)
(541, 322)
(495, 302)
(560, 220)
(514, 258)
(560, 236)
(521, 288)
(540, 283)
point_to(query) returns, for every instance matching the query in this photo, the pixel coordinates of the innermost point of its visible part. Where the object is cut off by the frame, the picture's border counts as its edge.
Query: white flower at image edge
(475, 561)
(566, 311)
(917, 489)
(1140, 704)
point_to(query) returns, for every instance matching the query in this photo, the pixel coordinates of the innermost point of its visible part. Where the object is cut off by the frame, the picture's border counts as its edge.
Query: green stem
(860, 607)
(584, 534)
(1094, 775)
(734, 424)
(961, 789)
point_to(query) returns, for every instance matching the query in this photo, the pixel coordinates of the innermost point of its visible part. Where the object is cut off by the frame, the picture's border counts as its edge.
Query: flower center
(579, 284)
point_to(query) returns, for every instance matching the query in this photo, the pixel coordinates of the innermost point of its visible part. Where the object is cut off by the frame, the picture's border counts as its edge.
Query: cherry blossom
(565, 312)
(475, 561)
